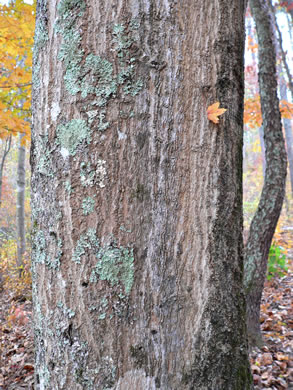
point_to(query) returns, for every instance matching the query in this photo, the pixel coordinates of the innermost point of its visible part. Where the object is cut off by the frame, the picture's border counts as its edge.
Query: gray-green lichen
(72, 134)
(43, 156)
(66, 311)
(40, 40)
(41, 247)
(88, 205)
(90, 176)
(94, 75)
(68, 187)
(115, 265)
(86, 241)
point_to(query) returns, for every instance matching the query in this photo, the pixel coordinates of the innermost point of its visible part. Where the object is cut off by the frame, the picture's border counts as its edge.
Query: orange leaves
(251, 45)
(252, 111)
(214, 112)
(286, 109)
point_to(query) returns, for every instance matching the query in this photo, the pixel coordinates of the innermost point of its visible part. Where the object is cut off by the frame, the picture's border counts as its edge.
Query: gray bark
(137, 197)
(288, 130)
(283, 94)
(6, 149)
(20, 201)
(266, 217)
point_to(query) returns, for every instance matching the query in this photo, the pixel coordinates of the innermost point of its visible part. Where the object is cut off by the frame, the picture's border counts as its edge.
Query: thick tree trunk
(265, 220)
(20, 212)
(137, 197)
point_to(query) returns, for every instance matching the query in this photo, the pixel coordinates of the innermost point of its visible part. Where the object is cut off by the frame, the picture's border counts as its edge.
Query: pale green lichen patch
(92, 74)
(43, 156)
(88, 205)
(86, 241)
(72, 134)
(68, 187)
(41, 247)
(40, 40)
(65, 310)
(115, 265)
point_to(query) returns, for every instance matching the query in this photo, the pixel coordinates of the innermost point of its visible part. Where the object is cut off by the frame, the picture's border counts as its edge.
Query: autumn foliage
(17, 23)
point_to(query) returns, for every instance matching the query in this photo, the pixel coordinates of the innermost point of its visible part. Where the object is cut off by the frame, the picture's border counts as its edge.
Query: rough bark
(20, 212)
(137, 197)
(266, 217)
(7, 146)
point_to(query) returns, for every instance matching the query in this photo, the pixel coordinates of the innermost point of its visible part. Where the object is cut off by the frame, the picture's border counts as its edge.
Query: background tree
(266, 217)
(20, 204)
(138, 260)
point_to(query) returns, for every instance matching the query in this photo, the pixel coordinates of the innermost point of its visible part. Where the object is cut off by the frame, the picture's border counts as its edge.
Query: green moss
(88, 205)
(72, 134)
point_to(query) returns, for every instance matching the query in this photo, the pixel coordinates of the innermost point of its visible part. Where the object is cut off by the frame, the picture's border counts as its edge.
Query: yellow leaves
(214, 112)
(17, 23)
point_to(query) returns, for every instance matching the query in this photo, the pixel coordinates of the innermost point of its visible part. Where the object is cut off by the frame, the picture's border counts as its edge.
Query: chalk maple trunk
(137, 197)
(266, 217)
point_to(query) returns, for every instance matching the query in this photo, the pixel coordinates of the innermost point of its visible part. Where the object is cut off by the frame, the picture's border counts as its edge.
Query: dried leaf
(214, 112)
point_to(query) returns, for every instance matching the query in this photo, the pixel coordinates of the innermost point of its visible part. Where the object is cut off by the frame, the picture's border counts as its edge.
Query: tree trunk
(288, 130)
(265, 220)
(20, 213)
(7, 146)
(137, 197)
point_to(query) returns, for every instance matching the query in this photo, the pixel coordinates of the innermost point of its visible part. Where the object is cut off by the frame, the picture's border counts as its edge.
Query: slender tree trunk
(6, 149)
(263, 150)
(20, 213)
(137, 197)
(265, 220)
(288, 130)
(283, 93)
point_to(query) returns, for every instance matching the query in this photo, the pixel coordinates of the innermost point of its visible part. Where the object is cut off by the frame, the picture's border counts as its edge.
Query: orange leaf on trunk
(214, 112)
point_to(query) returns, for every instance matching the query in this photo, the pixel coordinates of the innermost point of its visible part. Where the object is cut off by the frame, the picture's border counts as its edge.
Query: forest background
(16, 42)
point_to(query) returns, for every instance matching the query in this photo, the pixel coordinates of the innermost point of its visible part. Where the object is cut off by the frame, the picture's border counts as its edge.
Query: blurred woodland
(270, 365)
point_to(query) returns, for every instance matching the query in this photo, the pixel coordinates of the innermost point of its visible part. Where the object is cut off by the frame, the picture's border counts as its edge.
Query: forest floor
(271, 366)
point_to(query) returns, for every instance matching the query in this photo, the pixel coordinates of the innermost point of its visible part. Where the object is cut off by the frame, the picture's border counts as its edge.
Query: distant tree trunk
(137, 197)
(6, 149)
(288, 130)
(266, 217)
(20, 213)
(263, 150)
(283, 91)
